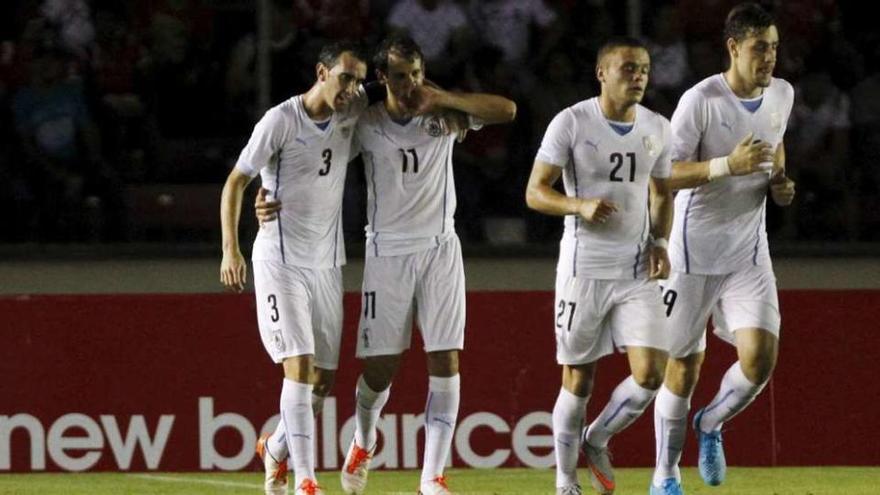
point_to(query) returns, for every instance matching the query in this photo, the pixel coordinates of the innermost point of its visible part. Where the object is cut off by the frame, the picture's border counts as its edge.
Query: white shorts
(299, 311)
(593, 317)
(429, 284)
(743, 299)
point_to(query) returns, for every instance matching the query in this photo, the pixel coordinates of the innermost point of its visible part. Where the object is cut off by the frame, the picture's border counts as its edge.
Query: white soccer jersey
(719, 226)
(598, 162)
(410, 189)
(304, 167)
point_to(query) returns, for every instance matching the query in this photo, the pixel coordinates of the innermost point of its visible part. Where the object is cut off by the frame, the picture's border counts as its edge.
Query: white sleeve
(789, 104)
(558, 140)
(687, 127)
(268, 137)
(355, 146)
(663, 166)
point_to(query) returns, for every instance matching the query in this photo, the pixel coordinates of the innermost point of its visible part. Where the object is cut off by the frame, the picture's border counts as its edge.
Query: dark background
(119, 121)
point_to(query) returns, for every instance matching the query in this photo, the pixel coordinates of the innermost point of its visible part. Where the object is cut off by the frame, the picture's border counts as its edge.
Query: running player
(727, 152)
(614, 158)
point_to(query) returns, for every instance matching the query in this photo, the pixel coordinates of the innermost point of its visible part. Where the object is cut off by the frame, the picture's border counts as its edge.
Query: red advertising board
(182, 383)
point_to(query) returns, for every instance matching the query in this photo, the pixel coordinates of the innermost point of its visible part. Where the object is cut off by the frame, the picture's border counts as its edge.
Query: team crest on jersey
(652, 144)
(346, 131)
(433, 126)
(278, 340)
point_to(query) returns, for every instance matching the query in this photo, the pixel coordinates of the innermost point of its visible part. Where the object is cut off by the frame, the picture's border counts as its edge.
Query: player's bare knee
(649, 370)
(578, 379)
(443, 363)
(323, 381)
(380, 370)
(758, 369)
(757, 355)
(682, 374)
(298, 368)
(650, 378)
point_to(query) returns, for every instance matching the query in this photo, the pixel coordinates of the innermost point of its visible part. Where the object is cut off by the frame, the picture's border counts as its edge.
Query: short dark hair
(745, 19)
(330, 53)
(618, 42)
(399, 44)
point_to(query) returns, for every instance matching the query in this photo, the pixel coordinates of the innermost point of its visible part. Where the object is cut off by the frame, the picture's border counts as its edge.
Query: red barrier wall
(181, 382)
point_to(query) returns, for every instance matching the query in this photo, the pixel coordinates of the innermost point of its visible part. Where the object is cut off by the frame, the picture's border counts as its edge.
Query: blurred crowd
(114, 112)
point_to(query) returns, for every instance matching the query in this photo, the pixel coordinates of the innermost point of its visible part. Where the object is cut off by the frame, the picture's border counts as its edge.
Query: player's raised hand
(782, 190)
(658, 263)
(266, 211)
(596, 210)
(233, 271)
(749, 155)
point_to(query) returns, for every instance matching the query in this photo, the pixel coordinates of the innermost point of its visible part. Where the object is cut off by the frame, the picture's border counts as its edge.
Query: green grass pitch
(740, 481)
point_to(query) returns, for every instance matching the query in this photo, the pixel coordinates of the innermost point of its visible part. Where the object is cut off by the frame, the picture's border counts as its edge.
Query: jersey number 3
(327, 154)
(618, 158)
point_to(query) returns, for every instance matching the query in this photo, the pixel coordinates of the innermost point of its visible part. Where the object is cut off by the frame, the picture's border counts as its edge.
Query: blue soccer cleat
(670, 486)
(713, 466)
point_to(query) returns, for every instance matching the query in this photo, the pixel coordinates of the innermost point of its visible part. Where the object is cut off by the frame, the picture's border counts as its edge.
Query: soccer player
(301, 150)
(614, 158)
(413, 267)
(727, 152)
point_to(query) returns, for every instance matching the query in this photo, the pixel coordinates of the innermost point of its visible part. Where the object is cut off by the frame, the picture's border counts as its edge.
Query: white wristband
(660, 243)
(718, 167)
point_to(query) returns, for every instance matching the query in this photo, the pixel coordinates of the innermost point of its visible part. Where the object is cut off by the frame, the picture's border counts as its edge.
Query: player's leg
(371, 394)
(627, 403)
(741, 384)
(297, 417)
(750, 307)
(327, 324)
(582, 338)
(568, 421)
(440, 298)
(747, 315)
(384, 333)
(326, 292)
(284, 315)
(688, 300)
(756, 349)
(636, 323)
(671, 408)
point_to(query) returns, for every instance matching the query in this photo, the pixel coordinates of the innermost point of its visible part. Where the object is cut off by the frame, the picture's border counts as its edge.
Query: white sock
(441, 412)
(317, 404)
(736, 392)
(368, 408)
(628, 401)
(277, 443)
(568, 419)
(670, 429)
(296, 414)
